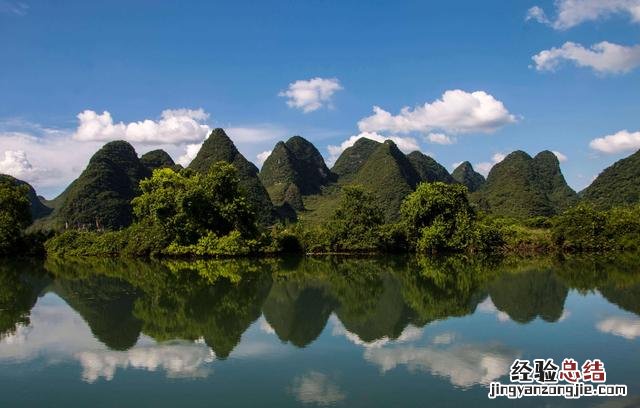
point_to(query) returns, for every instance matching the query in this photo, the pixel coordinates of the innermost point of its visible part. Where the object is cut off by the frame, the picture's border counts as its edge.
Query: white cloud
(46, 161)
(179, 359)
(464, 365)
(627, 327)
(406, 144)
(618, 142)
(190, 153)
(310, 95)
(571, 13)
(603, 57)
(175, 126)
(456, 164)
(440, 138)
(536, 13)
(262, 156)
(456, 112)
(485, 167)
(16, 164)
(316, 388)
(561, 157)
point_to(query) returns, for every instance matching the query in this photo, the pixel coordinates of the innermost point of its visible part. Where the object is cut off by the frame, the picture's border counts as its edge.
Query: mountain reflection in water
(183, 318)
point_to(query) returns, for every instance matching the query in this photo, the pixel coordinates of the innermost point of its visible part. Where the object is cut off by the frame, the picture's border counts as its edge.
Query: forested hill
(295, 177)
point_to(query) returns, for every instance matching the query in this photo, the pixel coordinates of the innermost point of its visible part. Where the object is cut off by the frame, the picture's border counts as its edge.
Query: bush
(581, 228)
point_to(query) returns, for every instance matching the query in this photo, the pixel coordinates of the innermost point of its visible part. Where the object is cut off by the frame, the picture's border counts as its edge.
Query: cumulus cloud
(464, 365)
(439, 138)
(262, 156)
(570, 13)
(627, 327)
(16, 164)
(50, 159)
(406, 144)
(456, 112)
(603, 57)
(485, 167)
(618, 142)
(175, 126)
(183, 359)
(310, 95)
(316, 388)
(44, 161)
(561, 157)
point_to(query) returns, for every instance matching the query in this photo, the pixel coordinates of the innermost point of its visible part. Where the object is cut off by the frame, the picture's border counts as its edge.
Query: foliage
(15, 216)
(356, 223)
(219, 147)
(438, 217)
(617, 185)
(189, 206)
(38, 209)
(585, 228)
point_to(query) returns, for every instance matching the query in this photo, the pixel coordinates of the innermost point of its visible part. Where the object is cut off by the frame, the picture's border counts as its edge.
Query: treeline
(190, 214)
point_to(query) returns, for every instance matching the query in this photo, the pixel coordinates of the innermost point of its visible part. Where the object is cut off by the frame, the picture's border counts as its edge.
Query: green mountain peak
(467, 176)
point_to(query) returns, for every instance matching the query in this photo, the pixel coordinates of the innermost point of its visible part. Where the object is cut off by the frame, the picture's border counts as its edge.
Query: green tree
(15, 216)
(190, 205)
(356, 222)
(438, 217)
(581, 228)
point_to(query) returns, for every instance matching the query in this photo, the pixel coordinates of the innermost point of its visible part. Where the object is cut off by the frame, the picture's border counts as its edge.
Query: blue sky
(230, 65)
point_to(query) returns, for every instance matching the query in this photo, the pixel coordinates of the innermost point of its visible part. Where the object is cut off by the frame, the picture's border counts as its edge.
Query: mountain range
(295, 182)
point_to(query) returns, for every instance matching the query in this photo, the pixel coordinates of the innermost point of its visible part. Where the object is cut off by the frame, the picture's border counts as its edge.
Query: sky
(458, 80)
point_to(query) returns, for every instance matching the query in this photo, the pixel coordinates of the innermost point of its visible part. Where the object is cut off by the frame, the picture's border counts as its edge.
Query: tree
(356, 222)
(190, 205)
(15, 216)
(581, 228)
(438, 217)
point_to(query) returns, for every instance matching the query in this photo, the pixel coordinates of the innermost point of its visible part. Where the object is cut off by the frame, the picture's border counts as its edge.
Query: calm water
(387, 332)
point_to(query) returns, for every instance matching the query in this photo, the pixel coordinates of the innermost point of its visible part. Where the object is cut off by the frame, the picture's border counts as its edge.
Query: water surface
(383, 332)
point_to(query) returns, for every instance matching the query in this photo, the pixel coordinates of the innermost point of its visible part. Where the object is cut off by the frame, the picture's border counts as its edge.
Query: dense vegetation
(293, 169)
(100, 198)
(218, 147)
(617, 185)
(523, 187)
(375, 199)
